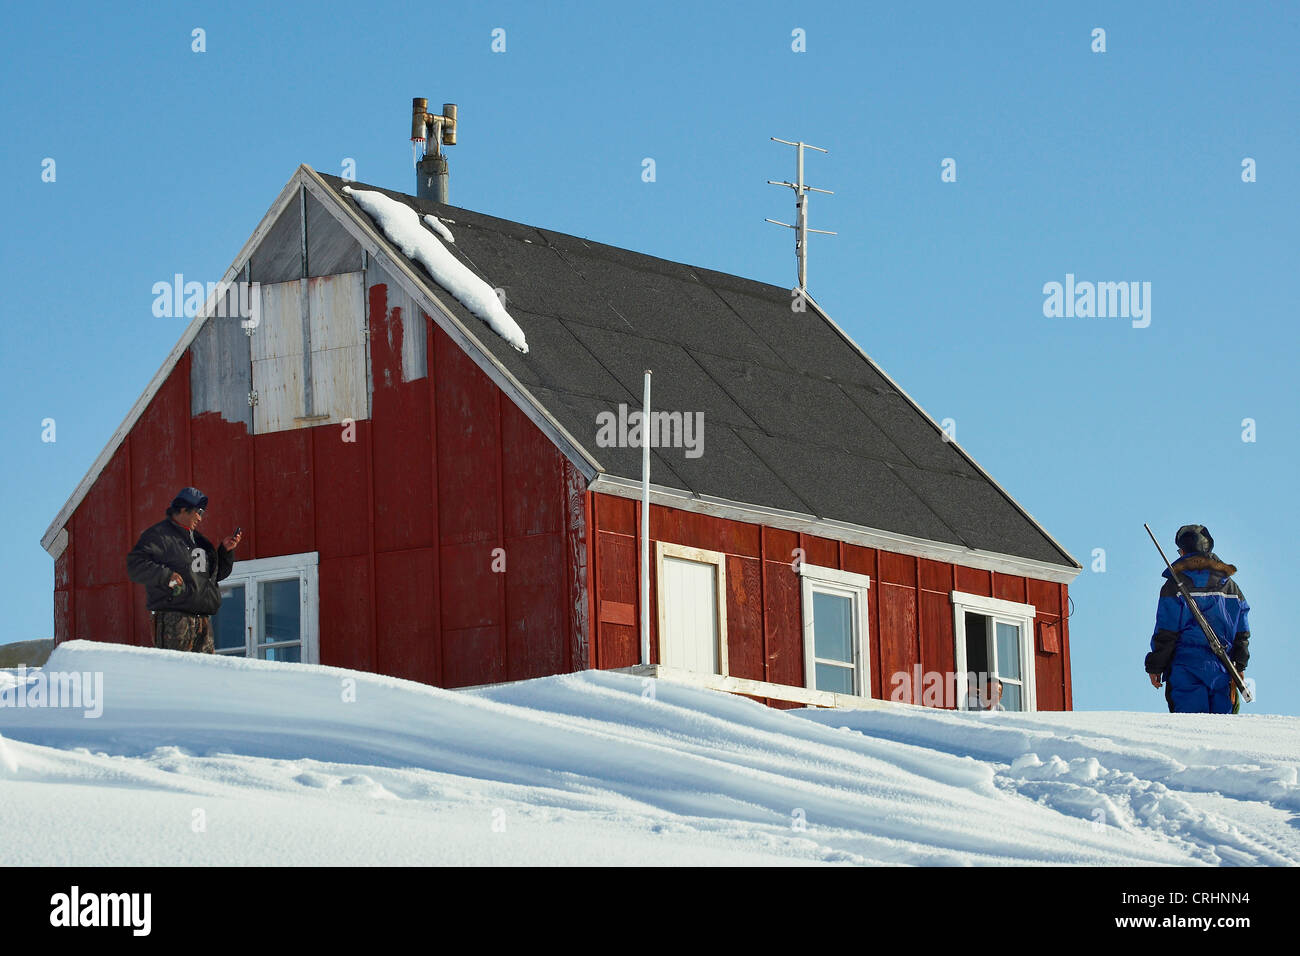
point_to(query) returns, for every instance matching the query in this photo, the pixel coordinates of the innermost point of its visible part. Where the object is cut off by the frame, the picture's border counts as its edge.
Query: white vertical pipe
(801, 229)
(645, 523)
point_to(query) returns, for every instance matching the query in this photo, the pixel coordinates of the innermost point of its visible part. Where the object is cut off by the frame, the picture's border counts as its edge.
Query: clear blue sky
(1115, 166)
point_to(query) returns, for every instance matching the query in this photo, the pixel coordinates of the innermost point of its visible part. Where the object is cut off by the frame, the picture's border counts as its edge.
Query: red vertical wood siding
(909, 606)
(340, 512)
(283, 495)
(744, 617)
(404, 609)
(409, 509)
(63, 592)
(345, 615)
(577, 542)
(403, 460)
(404, 511)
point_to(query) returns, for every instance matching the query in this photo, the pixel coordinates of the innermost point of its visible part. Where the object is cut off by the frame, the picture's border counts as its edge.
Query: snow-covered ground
(213, 760)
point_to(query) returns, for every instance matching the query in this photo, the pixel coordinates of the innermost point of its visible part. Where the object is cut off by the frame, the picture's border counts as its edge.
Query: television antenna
(800, 225)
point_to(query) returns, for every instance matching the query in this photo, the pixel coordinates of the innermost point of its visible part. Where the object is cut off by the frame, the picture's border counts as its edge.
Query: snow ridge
(308, 765)
(401, 224)
(437, 226)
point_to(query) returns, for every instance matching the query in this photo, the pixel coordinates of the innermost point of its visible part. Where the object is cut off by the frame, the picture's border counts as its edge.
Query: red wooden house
(420, 499)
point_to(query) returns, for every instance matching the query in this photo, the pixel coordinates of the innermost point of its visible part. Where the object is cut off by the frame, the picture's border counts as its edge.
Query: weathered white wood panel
(335, 346)
(278, 257)
(339, 380)
(330, 248)
(279, 387)
(279, 332)
(220, 370)
(277, 353)
(337, 311)
(336, 305)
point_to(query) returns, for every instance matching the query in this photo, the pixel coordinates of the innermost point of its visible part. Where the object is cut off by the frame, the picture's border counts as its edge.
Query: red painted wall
(909, 607)
(406, 518)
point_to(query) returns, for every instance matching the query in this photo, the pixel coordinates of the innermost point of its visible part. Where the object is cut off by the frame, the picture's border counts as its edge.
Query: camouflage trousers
(177, 631)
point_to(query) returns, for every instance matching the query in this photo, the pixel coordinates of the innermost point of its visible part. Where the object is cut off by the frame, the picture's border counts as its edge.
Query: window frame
(718, 560)
(814, 578)
(285, 567)
(1009, 612)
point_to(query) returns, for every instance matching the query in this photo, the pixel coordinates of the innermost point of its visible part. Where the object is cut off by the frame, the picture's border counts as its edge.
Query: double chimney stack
(431, 178)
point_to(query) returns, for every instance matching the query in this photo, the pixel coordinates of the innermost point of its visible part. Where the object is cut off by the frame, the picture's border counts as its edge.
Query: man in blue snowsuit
(1196, 682)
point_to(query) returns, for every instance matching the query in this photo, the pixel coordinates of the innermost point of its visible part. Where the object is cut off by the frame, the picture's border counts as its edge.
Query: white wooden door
(688, 593)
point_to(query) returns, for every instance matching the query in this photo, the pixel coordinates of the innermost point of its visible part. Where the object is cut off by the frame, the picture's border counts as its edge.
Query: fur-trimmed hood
(1201, 562)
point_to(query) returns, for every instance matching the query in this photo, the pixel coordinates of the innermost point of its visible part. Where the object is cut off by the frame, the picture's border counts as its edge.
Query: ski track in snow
(1133, 782)
(583, 768)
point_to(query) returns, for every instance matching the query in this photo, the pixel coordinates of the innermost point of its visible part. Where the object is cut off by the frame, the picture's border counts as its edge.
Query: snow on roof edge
(401, 225)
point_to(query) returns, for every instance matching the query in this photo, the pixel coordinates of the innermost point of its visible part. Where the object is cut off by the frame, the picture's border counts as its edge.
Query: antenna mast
(800, 225)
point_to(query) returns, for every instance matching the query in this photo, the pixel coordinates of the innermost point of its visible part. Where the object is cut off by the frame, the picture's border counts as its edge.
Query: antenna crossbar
(801, 191)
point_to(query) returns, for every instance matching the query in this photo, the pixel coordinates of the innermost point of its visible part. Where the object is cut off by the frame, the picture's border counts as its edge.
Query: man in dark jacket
(1195, 680)
(180, 570)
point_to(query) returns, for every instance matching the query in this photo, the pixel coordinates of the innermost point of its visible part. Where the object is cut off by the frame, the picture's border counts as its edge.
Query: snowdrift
(214, 760)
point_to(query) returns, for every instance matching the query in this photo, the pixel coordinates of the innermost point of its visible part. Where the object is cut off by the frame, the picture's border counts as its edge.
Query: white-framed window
(269, 610)
(995, 640)
(835, 630)
(692, 591)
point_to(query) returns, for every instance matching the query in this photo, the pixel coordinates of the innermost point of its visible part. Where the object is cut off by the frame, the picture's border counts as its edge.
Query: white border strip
(758, 688)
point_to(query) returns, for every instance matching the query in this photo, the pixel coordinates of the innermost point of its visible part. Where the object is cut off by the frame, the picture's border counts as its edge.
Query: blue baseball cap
(189, 499)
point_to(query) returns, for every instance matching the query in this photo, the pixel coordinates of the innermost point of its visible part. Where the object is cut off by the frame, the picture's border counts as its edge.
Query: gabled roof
(801, 428)
(796, 417)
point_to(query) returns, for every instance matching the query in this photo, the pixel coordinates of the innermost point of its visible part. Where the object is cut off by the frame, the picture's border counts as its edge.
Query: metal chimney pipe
(432, 179)
(431, 175)
(449, 127)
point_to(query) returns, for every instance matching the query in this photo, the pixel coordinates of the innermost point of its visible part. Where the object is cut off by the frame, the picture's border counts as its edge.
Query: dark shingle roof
(795, 417)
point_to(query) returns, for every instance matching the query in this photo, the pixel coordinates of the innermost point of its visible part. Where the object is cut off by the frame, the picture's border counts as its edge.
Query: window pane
(977, 646)
(839, 680)
(1011, 696)
(228, 633)
(282, 652)
(833, 627)
(1008, 651)
(281, 611)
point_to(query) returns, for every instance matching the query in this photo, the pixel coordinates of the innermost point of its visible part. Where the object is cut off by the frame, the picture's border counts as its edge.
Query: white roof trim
(839, 530)
(191, 331)
(59, 544)
(952, 441)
